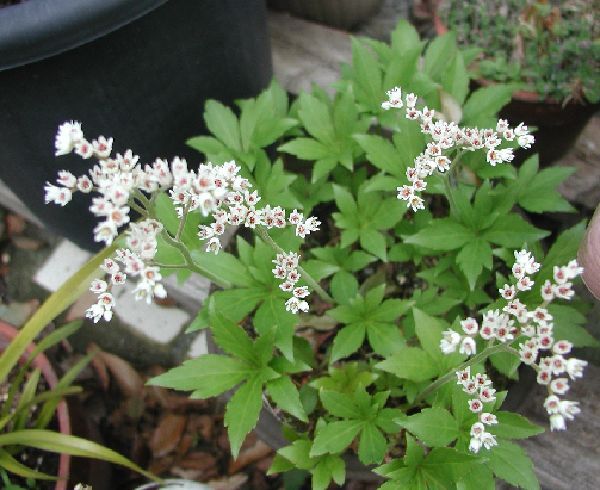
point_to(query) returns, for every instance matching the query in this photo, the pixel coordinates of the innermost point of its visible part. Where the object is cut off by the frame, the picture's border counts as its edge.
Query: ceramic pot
(137, 70)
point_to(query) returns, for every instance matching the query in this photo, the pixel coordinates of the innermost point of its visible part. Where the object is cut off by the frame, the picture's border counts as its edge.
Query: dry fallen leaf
(232, 483)
(167, 435)
(250, 455)
(127, 378)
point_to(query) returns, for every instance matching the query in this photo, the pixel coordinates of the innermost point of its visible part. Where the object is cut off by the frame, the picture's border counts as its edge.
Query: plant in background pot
(378, 294)
(550, 49)
(33, 397)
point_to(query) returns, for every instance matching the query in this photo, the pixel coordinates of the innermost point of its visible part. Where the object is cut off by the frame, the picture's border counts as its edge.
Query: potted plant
(350, 298)
(550, 50)
(60, 57)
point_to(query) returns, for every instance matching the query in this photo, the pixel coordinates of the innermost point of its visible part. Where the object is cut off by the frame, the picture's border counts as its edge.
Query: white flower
(84, 184)
(395, 99)
(468, 346)
(488, 418)
(57, 195)
(526, 141)
(477, 430)
(475, 445)
(559, 386)
(488, 440)
(102, 147)
(552, 404)
(449, 342)
(475, 405)
(69, 133)
(547, 291)
(557, 422)
(569, 409)
(487, 394)
(575, 367)
(84, 149)
(562, 347)
(469, 326)
(105, 232)
(507, 292)
(214, 245)
(98, 286)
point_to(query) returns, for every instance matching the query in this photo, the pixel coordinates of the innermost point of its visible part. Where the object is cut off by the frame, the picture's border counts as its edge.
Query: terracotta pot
(7, 334)
(558, 125)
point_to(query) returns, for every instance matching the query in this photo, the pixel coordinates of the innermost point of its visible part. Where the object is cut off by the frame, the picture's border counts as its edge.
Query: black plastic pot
(137, 70)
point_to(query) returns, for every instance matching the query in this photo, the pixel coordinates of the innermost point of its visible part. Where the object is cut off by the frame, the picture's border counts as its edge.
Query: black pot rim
(36, 29)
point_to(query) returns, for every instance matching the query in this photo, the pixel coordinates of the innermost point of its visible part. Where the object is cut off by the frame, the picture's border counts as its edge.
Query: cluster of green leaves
(396, 279)
(551, 48)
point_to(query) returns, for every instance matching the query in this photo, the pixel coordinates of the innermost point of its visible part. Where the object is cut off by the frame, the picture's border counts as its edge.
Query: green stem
(182, 222)
(191, 265)
(262, 232)
(482, 356)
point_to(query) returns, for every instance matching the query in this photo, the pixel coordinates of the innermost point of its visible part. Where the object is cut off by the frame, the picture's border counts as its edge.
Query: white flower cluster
(446, 137)
(480, 386)
(136, 261)
(213, 190)
(226, 195)
(539, 350)
(114, 178)
(286, 269)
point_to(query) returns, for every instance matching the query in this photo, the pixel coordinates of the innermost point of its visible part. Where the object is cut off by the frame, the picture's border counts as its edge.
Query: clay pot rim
(62, 411)
(521, 95)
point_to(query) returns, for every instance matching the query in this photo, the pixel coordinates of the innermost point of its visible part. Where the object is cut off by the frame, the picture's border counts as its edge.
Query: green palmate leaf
(221, 122)
(208, 375)
(285, 395)
(372, 444)
(335, 436)
(381, 153)
(568, 326)
(390, 310)
(339, 404)
(514, 426)
(225, 267)
(536, 191)
(441, 234)
(62, 443)
(510, 462)
(473, 257)
(272, 314)
(306, 149)
(434, 426)
(479, 477)
(316, 118)
(344, 200)
(384, 338)
(344, 287)
(242, 412)
(404, 37)
(455, 79)
(52, 307)
(512, 231)
(367, 80)
(439, 53)
(373, 241)
(211, 147)
(298, 454)
(410, 363)
(507, 363)
(446, 466)
(229, 336)
(486, 102)
(236, 304)
(347, 341)
(328, 468)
